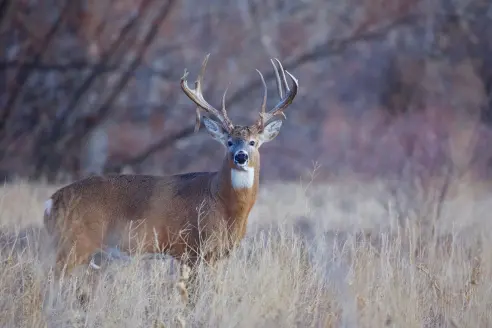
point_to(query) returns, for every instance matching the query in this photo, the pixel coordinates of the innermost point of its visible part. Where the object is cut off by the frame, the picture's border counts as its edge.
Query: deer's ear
(270, 131)
(215, 130)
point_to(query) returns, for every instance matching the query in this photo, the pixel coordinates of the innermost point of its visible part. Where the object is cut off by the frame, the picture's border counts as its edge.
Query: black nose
(241, 157)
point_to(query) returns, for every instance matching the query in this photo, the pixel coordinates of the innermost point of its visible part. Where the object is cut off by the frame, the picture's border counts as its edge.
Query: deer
(174, 214)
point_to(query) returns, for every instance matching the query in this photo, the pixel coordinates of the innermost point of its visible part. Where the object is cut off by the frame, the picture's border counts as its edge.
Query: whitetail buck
(172, 214)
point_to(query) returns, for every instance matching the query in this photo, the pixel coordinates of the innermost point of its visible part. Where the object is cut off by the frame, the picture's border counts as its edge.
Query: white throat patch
(243, 179)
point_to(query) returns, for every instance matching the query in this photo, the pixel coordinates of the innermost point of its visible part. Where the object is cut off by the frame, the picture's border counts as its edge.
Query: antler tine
(225, 117)
(263, 103)
(199, 78)
(198, 120)
(277, 78)
(224, 112)
(196, 96)
(282, 86)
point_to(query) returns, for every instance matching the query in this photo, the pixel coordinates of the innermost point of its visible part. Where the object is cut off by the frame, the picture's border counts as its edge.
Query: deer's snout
(241, 157)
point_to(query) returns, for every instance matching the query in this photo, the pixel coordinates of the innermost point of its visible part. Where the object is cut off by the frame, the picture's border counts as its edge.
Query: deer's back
(111, 208)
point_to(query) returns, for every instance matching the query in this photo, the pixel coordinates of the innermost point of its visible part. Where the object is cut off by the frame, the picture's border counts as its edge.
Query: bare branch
(24, 72)
(82, 126)
(144, 6)
(6, 7)
(163, 143)
(104, 109)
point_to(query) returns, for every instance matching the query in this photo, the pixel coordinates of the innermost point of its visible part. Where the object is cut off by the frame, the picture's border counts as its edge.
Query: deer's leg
(76, 249)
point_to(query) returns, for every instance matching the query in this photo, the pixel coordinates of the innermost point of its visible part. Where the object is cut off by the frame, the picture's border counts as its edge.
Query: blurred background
(388, 88)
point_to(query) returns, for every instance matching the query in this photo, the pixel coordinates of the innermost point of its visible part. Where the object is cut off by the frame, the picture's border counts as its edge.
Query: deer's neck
(237, 190)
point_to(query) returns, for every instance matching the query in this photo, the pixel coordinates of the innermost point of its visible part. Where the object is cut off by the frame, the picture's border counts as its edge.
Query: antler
(197, 97)
(282, 86)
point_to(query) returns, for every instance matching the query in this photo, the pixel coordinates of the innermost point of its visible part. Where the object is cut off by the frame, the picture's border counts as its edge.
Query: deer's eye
(229, 143)
(251, 143)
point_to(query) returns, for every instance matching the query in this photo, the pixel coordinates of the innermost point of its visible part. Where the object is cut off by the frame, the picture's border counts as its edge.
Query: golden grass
(341, 255)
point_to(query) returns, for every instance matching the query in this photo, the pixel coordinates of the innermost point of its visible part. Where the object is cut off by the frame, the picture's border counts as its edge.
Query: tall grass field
(341, 254)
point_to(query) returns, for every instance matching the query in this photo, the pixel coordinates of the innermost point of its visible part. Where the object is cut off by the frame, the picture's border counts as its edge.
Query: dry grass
(343, 255)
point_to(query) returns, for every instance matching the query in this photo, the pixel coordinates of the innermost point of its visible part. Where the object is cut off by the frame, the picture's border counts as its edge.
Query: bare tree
(74, 72)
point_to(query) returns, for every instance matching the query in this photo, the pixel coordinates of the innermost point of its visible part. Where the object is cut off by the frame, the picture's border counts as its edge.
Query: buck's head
(242, 142)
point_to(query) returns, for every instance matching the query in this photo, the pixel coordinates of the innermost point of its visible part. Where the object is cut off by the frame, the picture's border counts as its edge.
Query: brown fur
(183, 210)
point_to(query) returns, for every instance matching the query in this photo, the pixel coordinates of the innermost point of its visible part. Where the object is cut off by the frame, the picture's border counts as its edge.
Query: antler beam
(196, 96)
(282, 86)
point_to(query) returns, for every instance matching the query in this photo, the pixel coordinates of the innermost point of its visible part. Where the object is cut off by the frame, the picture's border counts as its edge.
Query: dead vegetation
(319, 255)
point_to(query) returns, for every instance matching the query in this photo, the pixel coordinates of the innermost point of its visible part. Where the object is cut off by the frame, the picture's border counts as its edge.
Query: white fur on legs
(47, 206)
(94, 265)
(108, 254)
(242, 179)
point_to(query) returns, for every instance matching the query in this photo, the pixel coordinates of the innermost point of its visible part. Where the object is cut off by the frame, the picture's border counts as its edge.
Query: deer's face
(243, 142)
